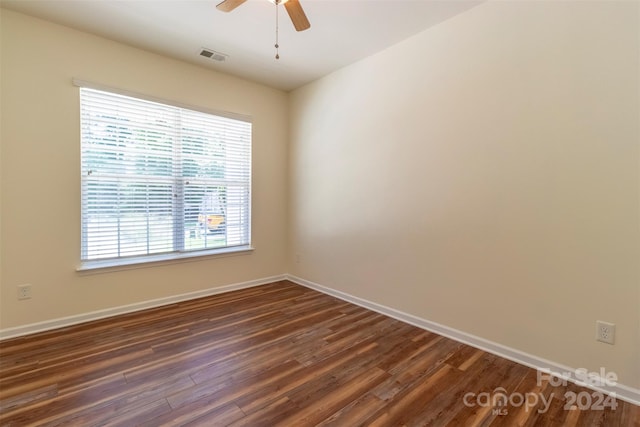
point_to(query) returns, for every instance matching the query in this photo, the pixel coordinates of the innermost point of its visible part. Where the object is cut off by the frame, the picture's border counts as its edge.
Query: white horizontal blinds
(216, 161)
(158, 178)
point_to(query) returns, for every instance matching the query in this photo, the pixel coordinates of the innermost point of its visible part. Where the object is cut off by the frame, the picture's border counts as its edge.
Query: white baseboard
(129, 308)
(620, 391)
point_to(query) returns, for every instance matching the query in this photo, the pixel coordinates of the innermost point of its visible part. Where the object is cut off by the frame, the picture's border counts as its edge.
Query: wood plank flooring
(278, 354)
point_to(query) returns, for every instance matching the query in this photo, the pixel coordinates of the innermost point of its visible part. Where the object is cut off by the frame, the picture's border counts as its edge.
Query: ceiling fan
(294, 9)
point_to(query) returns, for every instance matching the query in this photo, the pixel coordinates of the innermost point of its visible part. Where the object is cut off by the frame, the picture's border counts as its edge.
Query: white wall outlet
(605, 332)
(297, 258)
(24, 291)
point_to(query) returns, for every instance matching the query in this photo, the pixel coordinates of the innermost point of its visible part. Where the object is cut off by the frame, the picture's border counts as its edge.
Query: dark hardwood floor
(278, 354)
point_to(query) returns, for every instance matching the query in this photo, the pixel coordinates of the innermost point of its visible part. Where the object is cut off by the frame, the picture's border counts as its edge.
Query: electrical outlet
(605, 332)
(297, 258)
(24, 291)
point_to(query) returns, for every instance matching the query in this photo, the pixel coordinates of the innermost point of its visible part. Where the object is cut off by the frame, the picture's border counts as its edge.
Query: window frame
(177, 255)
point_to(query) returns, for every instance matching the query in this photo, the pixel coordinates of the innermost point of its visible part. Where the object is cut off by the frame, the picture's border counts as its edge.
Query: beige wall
(41, 181)
(484, 175)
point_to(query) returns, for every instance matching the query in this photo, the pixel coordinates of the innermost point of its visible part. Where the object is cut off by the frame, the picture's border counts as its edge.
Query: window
(161, 181)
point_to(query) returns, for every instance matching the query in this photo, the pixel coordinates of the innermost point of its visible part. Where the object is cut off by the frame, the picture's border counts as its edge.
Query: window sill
(162, 259)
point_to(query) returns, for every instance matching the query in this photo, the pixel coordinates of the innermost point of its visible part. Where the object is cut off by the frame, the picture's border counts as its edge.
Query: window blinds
(158, 178)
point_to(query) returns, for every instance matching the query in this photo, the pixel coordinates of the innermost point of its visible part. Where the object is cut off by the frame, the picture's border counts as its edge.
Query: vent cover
(212, 54)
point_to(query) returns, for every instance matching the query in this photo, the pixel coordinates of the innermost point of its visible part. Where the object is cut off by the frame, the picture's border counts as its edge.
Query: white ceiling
(342, 31)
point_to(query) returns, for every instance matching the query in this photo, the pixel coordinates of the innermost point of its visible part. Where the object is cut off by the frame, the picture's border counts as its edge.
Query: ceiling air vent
(212, 54)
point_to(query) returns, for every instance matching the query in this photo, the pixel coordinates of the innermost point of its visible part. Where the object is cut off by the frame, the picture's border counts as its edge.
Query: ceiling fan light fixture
(293, 7)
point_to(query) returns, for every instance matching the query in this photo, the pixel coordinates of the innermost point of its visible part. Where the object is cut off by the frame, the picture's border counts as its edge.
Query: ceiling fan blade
(229, 5)
(299, 19)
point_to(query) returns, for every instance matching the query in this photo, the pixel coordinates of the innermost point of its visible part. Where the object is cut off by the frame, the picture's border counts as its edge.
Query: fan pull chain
(277, 46)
